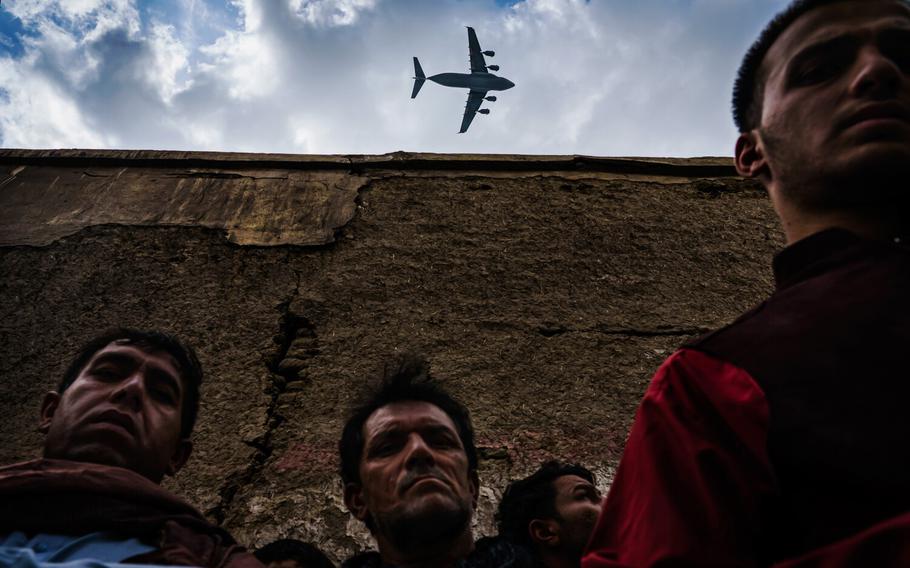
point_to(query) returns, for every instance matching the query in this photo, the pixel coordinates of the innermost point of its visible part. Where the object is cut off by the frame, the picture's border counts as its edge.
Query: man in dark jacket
(119, 422)
(409, 467)
(781, 439)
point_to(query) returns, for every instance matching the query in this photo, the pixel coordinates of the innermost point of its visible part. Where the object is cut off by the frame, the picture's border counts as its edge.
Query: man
(292, 553)
(551, 512)
(782, 438)
(118, 423)
(409, 468)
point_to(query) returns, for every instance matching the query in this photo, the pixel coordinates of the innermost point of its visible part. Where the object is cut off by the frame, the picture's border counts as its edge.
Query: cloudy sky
(603, 77)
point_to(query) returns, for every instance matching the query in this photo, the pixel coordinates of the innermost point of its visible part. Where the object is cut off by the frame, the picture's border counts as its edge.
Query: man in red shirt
(781, 439)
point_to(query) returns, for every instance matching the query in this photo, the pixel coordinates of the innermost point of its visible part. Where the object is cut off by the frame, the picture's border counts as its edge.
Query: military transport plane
(479, 81)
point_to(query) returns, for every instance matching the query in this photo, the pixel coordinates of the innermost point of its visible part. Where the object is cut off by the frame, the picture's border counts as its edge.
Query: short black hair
(533, 497)
(405, 377)
(747, 90)
(183, 354)
(305, 554)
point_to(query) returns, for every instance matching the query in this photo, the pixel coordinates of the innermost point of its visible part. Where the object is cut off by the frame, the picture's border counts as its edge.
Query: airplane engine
(489, 53)
(493, 67)
(484, 111)
(491, 98)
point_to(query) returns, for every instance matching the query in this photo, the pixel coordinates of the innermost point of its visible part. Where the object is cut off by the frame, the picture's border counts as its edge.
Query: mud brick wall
(545, 291)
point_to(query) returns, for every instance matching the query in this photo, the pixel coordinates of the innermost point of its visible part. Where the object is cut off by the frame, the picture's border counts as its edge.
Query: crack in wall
(297, 342)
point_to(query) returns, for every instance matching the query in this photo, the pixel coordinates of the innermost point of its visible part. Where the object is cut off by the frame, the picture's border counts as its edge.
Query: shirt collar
(793, 264)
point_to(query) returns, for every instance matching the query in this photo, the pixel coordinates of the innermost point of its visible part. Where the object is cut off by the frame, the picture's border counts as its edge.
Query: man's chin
(872, 176)
(430, 518)
(881, 160)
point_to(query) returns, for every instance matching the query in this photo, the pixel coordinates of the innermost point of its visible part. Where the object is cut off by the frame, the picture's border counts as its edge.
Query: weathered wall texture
(545, 290)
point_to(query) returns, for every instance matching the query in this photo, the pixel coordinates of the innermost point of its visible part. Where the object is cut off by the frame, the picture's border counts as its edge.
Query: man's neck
(874, 225)
(435, 555)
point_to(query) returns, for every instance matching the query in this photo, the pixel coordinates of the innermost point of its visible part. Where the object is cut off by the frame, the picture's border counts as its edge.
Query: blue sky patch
(11, 30)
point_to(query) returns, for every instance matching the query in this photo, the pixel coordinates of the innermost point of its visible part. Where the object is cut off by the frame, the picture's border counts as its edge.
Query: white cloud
(168, 66)
(330, 12)
(37, 114)
(245, 62)
(320, 76)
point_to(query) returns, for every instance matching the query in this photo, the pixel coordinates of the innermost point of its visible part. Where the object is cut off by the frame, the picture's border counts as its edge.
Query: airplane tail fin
(419, 78)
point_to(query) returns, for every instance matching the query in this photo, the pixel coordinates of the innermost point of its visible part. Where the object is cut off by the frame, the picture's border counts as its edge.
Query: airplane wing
(478, 65)
(470, 109)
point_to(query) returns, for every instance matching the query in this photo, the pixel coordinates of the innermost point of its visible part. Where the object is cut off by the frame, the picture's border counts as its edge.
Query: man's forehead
(406, 415)
(125, 349)
(833, 20)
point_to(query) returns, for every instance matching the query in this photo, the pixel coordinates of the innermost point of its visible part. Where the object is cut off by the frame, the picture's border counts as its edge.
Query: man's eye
(895, 45)
(164, 396)
(816, 72)
(900, 55)
(588, 495)
(105, 373)
(444, 442)
(386, 449)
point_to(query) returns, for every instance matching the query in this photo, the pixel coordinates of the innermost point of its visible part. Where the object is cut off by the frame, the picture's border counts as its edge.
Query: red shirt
(782, 439)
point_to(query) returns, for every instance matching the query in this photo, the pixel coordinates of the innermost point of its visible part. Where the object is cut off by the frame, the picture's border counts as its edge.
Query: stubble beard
(424, 531)
(879, 183)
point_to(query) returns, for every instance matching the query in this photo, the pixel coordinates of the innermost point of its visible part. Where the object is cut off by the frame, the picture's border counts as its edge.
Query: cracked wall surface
(544, 290)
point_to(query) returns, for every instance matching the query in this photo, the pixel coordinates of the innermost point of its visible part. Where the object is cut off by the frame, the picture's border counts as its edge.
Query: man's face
(836, 104)
(414, 471)
(123, 409)
(578, 505)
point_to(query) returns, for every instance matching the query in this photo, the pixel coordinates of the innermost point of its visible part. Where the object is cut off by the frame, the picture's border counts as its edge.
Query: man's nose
(419, 452)
(877, 76)
(129, 391)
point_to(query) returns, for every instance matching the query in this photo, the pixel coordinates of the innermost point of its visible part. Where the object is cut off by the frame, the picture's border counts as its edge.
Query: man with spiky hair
(781, 439)
(551, 512)
(409, 468)
(119, 422)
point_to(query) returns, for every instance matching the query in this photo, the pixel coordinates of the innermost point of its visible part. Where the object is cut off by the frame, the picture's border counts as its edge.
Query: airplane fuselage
(473, 81)
(478, 82)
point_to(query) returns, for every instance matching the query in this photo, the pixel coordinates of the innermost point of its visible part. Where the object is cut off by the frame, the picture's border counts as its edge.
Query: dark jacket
(488, 553)
(780, 439)
(66, 497)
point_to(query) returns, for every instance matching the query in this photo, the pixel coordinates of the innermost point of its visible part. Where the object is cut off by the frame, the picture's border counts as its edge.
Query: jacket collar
(803, 258)
(821, 251)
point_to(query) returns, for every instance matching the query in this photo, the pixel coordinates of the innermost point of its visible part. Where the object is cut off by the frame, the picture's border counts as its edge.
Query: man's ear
(750, 156)
(544, 532)
(180, 456)
(48, 407)
(474, 478)
(356, 504)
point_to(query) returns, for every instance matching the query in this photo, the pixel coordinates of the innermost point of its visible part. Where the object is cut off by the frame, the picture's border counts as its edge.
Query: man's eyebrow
(384, 433)
(436, 429)
(115, 358)
(394, 429)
